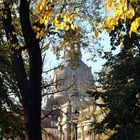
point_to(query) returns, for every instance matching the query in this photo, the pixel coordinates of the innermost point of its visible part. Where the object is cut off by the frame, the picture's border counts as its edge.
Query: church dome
(72, 76)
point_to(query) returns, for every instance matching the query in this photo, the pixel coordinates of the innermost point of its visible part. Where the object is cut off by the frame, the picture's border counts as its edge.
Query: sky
(98, 64)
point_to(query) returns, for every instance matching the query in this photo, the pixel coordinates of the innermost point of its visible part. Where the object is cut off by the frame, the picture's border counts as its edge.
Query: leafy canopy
(123, 10)
(54, 14)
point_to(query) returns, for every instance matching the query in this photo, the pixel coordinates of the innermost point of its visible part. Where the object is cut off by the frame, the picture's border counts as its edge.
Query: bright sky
(97, 65)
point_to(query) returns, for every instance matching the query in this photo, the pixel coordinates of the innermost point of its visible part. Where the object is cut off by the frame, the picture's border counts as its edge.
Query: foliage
(124, 11)
(12, 72)
(121, 96)
(11, 121)
(120, 83)
(51, 14)
(63, 20)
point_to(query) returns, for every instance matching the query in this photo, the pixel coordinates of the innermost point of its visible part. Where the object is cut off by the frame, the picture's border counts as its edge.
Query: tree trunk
(33, 108)
(30, 87)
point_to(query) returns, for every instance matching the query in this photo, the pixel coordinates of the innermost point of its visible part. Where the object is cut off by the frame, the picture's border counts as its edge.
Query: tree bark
(34, 109)
(30, 87)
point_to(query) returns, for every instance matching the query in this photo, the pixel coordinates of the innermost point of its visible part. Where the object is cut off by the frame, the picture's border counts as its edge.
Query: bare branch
(60, 66)
(47, 115)
(59, 90)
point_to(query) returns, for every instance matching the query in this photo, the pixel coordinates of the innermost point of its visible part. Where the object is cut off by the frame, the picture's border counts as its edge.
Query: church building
(69, 112)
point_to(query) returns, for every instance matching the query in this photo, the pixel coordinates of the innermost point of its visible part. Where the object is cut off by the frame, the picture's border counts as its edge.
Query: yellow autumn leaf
(46, 46)
(123, 2)
(74, 26)
(114, 22)
(109, 2)
(67, 19)
(62, 44)
(37, 36)
(62, 26)
(108, 30)
(110, 23)
(120, 10)
(46, 22)
(41, 21)
(138, 20)
(41, 7)
(76, 11)
(67, 28)
(47, 8)
(134, 0)
(56, 22)
(56, 28)
(96, 33)
(108, 19)
(100, 25)
(43, 2)
(130, 13)
(68, 12)
(134, 26)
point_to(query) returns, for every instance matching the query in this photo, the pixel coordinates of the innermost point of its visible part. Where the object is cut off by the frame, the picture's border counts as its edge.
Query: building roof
(71, 76)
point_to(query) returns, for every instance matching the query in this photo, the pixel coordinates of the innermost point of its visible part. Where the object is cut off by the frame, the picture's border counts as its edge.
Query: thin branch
(52, 84)
(58, 91)
(60, 66)
(47, 115)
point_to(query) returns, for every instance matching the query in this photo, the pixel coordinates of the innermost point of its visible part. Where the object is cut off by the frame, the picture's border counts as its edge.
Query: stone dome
(72, 76)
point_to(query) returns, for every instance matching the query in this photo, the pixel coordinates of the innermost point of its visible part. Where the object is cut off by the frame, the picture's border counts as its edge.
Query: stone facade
(72, 80)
